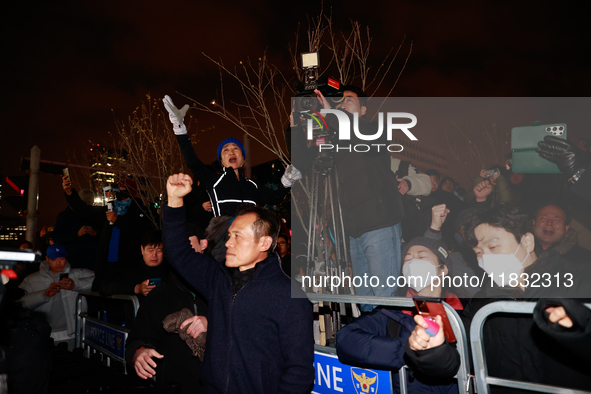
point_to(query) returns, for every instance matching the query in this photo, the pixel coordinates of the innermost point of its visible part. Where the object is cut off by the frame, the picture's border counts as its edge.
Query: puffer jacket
(64, 301)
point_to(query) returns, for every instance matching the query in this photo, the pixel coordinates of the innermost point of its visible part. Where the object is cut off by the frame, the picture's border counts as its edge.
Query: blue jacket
(368, 342)
(259, 340)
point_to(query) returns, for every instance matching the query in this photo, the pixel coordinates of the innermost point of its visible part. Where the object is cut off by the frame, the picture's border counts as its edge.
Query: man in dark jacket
(79, 238)
(369, 194)
(121, 229)
(152, 350)
(260, 339)
(134, 279)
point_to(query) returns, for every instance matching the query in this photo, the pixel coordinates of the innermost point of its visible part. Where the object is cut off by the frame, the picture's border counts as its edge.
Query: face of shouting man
(231, 156)
(550, 225)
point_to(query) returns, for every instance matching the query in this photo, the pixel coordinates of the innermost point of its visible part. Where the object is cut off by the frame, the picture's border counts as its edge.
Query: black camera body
(330, 88)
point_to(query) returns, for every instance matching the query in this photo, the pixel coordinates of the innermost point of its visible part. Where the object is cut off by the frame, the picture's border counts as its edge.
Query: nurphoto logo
(344, 132)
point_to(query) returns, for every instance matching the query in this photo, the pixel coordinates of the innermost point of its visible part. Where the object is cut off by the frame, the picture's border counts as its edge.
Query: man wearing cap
(47, 291)
(231, 188)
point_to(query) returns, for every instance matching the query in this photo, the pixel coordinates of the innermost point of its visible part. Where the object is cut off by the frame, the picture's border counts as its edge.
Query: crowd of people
(220, 313)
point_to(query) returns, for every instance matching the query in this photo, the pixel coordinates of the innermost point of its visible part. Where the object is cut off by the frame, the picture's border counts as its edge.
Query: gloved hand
(567, 156)
(176, 115)
(290, 176)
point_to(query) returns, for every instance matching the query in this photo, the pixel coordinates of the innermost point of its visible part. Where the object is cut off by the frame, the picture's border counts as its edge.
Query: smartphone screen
(431, 307)
(64, 276)
(66, 172)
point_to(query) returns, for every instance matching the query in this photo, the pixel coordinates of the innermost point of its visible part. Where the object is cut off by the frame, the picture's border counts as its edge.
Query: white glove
(290, 176)
(176, 115)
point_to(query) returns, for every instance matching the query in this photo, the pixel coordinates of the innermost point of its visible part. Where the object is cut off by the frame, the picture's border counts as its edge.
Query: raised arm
(198, 269)
(177, 117)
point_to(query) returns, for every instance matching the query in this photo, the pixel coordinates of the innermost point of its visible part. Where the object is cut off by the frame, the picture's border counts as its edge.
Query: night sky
(70, 68)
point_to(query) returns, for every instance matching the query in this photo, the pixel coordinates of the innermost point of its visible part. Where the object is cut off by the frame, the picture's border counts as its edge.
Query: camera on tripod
(329, 87)
(306, 103)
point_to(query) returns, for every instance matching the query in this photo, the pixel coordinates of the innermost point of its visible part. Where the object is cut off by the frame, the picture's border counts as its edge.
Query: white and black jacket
(225, 190)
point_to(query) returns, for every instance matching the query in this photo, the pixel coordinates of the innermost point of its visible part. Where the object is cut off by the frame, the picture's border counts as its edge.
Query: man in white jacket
(53, 291)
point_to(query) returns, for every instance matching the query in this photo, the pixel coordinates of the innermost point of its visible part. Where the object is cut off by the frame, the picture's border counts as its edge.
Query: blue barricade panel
(333, 377)
(107, 338)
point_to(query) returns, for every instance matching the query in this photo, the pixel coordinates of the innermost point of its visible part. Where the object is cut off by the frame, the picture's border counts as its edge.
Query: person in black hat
(378, 340)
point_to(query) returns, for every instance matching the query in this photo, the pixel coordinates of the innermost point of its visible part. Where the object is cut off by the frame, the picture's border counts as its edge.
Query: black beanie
(436, 246)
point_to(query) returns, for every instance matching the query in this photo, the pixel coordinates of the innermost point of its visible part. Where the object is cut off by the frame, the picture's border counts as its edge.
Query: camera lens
(561, 128)
(554, 128)
(548, 128)
(308, 102)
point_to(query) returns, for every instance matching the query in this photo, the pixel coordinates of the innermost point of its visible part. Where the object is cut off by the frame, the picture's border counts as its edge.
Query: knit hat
(54, 251)
(228, 141)
(436, 246)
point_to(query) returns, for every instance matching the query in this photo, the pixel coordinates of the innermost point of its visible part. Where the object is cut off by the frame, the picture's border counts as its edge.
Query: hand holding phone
(428, 307)
(427, 333)
(65, 282)
(490, 173)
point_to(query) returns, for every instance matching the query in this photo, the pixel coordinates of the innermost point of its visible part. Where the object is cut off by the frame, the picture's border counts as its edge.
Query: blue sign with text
(105, 338)
(334, 377)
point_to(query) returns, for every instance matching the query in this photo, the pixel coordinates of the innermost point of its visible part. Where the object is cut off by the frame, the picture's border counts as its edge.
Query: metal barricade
(99, 336)
(463, 374)
(476, 340)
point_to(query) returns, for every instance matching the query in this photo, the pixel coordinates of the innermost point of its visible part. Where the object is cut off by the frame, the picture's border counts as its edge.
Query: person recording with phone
(153, 348)
(379, 340)
(143, 276)
(53, 290)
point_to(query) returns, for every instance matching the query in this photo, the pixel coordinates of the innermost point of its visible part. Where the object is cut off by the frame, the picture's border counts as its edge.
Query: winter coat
(81, 250)
(419, 184)
(133, 225)
(259, 339)
(368, 189)
(64, 301)
(122, 279)
(178, 366)
(225, 190)
(576, 340)
(378, 341)
(569, 249)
